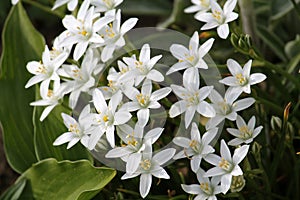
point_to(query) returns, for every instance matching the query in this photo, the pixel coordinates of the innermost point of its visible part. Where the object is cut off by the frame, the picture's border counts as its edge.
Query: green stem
(44, 8)
(270, 104)
(297, 8)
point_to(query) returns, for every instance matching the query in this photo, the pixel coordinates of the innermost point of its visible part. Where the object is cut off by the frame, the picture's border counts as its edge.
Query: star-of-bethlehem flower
(108, 117)
(192, 58)
(45, 70)
(80, 79)
(151, 165)
(50, 98)
(192, 99)
(135, 141)
(219, 17)
(207, 189)
(14, 2)
(72, 4)
(105, 5)
(226, 166)
(227, 107)
(245, 132)
(143, 67)
(113, 35)
(241, 80)
(57, 50)
(144, 100)
(199, 6)
(77, 131)
(83, 29)
(195, 148)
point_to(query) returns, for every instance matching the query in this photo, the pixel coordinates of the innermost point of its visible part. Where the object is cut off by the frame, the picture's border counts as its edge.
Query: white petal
(143, 117)
(80, 49)
(240, 154)
(121, 117)
(226, 182)
(210, 25)
(73, 142)
(107, 52)
(146, 88)
(35, 79)
(161, 93)
(231, 17)
(153, 134)
(99, 101)
(126, 176)
(191, 189)
(206, 109)
(235, 142)
(133, 162)
(205, 47)
(155, 76)
(145, 184)
(215, 171)
(110, 135)
(257, 78)
(243, 103)
(145, 53)
(182, 141)
(64, 138)
(179, 51)
(177, 108)
(194, 42)
(164, 156)
(127, 25)
(46, 112)
(118, 152)
(160, 173)
(223, 31)
(189, 115)
(225, 152)
(234, 67)
(229, 6)
(177, 66)
(195, 163)
(213, 159)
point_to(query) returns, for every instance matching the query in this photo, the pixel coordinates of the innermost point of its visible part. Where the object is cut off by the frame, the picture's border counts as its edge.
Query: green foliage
(21, 43)
(64, 180)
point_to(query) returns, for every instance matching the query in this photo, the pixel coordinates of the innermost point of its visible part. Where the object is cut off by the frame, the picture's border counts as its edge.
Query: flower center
(145, 164)
(224, 164)
(241, 79)
(225, 107)
(110, 32)
(142, 99)
(218, 16)
(74, 128)
(77, 73)
(41, 69)
(50, 93)
(205, 187)
(105, 118)
(246, 133)
(131, 141)
(204, 3)
(54, 53)
(194, 144)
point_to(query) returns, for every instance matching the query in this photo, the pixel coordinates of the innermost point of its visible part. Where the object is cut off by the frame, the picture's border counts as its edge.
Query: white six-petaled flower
(241, 79)
(192, 99)
(145, 100)
(245, 132)
(77, 131)
(207, 189)
(151, 165)
(219, 17)
(227, 107)
(71, 4)
(192, 58)
(195, 148)
(199, 6)
(105, 5)
(226, 166)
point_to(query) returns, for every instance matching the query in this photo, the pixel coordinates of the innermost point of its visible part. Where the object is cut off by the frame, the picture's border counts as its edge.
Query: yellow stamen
(74, 128)
(205, 187)
(105, 118)
(224, 164)
(50, 93)
(145, 164)
(241, 79)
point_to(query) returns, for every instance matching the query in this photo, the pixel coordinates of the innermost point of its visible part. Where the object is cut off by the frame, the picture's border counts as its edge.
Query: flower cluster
(120, 113)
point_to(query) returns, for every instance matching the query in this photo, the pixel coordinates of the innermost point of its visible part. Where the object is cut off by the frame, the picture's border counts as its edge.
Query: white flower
(83, 29)
(107, 117)
(77, 131)
(115, 82)
(113, 35)
(192, 57)
(105, 5)
(192, 99)
(219, 17)
(245, 132)
(135, 142)
(200, 6)
(227, 107)
(241, 80)
(151, 166)
(45, 70)
(226, 166)
(82, 79)
(50, 98)
(207, 189)
(144, 100)
(14, 2)
(195, 148)
(143, 68)
(57, 50)
(71, 4)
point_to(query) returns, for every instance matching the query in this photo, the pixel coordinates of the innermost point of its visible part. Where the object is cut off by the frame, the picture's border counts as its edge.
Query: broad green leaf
(65, 180)
(280, 8)
(146, 7)
(21, 43)
(14, 192)
(48, 130)
(273, 41)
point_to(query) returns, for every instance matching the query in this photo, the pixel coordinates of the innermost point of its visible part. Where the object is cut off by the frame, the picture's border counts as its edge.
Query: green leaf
(292, 50)
(280, 8)
(14, 192)
(48, 130)
(146, 7)
(65, 180)
(273, 41)
(21, 43)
